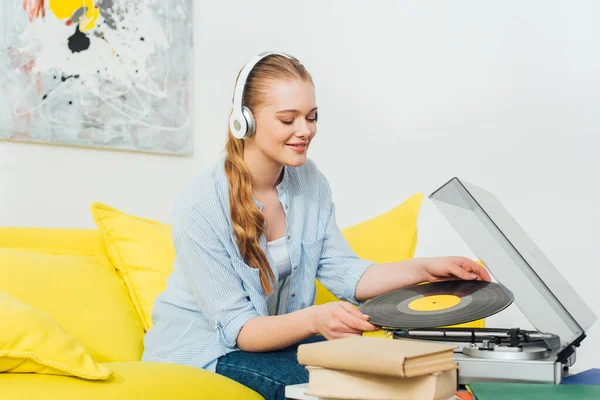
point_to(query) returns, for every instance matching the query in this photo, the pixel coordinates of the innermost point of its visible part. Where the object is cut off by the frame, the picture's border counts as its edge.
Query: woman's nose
(304, 130)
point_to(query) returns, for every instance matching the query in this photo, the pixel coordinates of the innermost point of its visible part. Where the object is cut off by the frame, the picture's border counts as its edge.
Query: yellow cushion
(141, 250)
(389, 237)
(130, 380)
(84, 294)
(32, 341)
(53, 240)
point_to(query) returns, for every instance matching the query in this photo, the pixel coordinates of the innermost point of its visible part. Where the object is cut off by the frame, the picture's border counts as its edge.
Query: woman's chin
(296, 161)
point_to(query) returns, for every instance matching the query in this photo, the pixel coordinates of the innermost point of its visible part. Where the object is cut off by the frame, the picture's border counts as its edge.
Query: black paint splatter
(79, 41)
(142, 39)
(64, 78)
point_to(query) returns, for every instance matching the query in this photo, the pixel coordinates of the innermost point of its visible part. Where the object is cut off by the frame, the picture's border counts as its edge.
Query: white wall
(410, 94)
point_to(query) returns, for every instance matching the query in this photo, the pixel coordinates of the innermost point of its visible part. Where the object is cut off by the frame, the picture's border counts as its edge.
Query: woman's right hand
(340, 319)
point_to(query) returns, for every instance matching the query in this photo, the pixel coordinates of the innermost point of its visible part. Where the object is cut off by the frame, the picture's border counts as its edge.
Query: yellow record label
(434, 303)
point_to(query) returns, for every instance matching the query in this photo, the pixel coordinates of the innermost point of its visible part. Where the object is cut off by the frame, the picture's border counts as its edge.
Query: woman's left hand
(438, 269)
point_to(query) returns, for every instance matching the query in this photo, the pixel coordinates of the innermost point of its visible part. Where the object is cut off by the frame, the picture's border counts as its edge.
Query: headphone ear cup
(236, 126)
(251, 124)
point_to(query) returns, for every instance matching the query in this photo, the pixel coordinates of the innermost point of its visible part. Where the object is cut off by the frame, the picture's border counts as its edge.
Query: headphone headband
(241, 122)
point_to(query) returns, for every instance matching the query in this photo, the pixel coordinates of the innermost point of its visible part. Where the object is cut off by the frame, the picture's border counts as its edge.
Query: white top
(279, 253)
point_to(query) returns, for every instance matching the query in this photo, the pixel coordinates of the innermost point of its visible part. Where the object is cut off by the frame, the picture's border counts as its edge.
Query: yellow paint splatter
(64, 9)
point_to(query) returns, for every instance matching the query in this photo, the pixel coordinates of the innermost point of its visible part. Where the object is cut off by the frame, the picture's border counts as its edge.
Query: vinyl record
(437, 304)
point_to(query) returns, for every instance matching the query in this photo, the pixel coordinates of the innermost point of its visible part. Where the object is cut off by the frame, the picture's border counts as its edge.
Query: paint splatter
(78, 42)
(34, 8)
(77, 15)
(106, 7)
(82, 12)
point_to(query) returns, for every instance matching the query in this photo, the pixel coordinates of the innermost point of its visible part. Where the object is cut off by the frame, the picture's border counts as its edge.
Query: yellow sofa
(66, 274)
(78, 278)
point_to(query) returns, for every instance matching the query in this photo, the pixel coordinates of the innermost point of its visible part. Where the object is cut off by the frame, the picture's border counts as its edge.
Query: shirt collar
(281, 187)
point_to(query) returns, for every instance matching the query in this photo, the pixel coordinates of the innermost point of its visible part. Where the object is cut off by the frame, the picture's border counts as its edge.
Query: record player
(523, 275)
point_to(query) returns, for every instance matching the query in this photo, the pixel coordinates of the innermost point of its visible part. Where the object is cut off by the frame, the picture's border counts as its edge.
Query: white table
(297, 392)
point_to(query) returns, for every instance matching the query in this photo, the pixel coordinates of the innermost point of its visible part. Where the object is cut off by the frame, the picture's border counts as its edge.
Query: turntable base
(503, 355)
(475, 369)
(507, 353)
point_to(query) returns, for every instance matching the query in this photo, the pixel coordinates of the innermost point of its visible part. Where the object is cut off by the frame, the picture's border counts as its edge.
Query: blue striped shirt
(212, 292)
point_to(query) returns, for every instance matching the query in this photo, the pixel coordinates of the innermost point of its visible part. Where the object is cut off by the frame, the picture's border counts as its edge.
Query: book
(397, 357)
(339, 384)
(587, 377)
(533, 391)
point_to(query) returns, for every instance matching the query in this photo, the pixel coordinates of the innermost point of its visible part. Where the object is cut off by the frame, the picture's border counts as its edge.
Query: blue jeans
(267, 373)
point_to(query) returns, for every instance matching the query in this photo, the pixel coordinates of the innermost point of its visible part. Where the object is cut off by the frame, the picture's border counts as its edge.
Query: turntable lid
(540, 291)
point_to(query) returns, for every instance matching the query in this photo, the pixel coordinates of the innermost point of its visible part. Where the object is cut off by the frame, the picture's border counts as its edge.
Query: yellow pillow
(84, 294)
(389, 237)
(142, 252)
(32, 341)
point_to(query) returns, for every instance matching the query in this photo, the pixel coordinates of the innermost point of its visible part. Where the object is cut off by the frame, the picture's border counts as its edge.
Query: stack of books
(363, 367)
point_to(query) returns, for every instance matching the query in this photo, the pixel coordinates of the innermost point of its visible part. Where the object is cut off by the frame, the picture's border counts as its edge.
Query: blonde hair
(247, 220)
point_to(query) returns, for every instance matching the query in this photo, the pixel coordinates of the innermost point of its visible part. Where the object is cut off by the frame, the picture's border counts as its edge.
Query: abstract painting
(113, 74)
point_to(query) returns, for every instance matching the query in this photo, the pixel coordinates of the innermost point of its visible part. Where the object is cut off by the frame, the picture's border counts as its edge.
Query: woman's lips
(299, 147)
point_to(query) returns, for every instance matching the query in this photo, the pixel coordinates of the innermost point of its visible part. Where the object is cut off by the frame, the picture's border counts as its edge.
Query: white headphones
(241, 122)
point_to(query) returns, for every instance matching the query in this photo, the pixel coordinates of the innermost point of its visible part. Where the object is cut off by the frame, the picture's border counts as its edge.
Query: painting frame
(105, 74)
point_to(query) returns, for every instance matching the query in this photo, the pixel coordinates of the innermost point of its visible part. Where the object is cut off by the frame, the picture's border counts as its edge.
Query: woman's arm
(382, 278)
(341, 319)
(275, 332)
(332, 320)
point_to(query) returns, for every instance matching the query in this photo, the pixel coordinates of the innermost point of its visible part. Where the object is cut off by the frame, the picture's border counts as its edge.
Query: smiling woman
(254, 233)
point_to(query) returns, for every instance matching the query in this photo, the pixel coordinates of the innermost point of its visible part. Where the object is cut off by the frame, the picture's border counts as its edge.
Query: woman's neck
(266, 173)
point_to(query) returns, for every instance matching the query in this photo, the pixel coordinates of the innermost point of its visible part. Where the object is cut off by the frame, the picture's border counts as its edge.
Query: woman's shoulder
(202, 198)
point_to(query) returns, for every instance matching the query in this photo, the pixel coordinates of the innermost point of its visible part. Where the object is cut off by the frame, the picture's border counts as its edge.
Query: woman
(252, 234)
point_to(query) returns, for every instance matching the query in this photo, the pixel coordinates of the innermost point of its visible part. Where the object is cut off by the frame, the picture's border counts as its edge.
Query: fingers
(337, 329)
(354, 311)
(475, 268)
(353, 321)
(341, 335)
(343, 328)
(461, 273)
(347, 334)
(481, 272)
